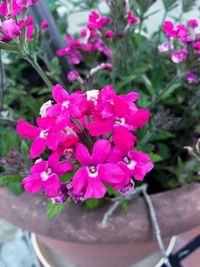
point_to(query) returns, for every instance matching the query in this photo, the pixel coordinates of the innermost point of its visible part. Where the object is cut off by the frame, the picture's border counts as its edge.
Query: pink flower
(179, 56)
(89, 180)
(9, 9)
(112, 110)
(193, 23)
(29, 28)
(11, 29)
(44, 25)
(132, 162)
(191, 77)
(168, 28)
(196, 46)
(131, 19)
(26, 3)
(74, 105)
(181, 32)
(72, 75)
(96, 21)
(109, 34)
(45, 175)
(165, 47)
(46, 134)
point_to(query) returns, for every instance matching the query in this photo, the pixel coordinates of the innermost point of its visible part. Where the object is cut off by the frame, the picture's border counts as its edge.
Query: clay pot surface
(177, 211)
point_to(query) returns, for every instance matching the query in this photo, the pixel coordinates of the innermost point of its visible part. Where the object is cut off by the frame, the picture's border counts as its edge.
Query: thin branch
(154, 221)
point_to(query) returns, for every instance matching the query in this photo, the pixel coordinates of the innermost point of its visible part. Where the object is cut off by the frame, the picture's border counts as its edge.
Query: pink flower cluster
(88, 138)
(186, 39)
(13, 27)
(91, 39)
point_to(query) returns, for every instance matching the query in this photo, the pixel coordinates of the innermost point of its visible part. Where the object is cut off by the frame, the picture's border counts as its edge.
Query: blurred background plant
(136, 65)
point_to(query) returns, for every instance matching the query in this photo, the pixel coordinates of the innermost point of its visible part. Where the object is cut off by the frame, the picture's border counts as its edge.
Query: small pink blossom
(168, 28)
(45, 174)
(72, 75)
(109, 34)
(26, 3)
(193, 23)
(30, 28)
(196, 46)
(179, 56)
(96, 21)
(191, 77)
(165, 47)
(44, 25)
(90, 178)
(11, 29)
(131, 19)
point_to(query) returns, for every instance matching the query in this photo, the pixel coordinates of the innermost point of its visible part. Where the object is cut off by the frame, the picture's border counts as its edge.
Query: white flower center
(44, 107)
(65, 104)
(92, 95)
(120, 121)
(130, 163)
(92, 171)
(45, 174)
(43, 133)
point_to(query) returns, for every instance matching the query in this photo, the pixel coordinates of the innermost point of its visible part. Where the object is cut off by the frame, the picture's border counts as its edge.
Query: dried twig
(138, 191)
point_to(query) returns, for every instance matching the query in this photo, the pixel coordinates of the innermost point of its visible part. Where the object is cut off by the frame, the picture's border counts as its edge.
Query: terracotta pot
(78, 233)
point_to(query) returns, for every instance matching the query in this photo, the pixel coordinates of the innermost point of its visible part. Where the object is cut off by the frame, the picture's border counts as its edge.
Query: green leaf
(24, 148)
(54, 209)
(171, 90)
(9, 46)
(16, 188)
(188, 5)
(162, 135)
(155, 157)
(6, 180)
(93, 203)
(124, 206)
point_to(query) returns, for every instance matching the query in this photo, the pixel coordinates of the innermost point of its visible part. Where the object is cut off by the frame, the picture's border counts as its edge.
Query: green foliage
(54, 209)
(188, 5)
(6, 180)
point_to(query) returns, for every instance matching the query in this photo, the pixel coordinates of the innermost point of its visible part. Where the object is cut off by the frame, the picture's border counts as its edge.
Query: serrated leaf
(6, 180)
(54, 209)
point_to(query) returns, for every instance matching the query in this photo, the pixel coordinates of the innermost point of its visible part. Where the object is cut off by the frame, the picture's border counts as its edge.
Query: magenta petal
(101, 126)
(80, 180)
(60, 94)
(32, 184)
(52, 185)
(45, 123)
(62, 168)
(101, 151)
(54, 110)
(26, 130)
(54, 158)
(123, 138)
(111, 174)
(37, 148)
(53, 140)
(95, 189)
(82, 155)
(39, 167)
(130, 97)
(139, 118)
(121, 107)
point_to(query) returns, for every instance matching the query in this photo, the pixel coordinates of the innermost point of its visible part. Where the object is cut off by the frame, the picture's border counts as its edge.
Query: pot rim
(177, 211)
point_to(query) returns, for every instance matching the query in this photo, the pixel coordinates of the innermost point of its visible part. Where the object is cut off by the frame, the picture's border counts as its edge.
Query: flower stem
(168, 86)
(1, 82)
(34, 63)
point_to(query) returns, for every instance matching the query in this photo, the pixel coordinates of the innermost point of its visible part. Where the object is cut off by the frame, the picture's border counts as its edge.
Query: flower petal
(52, 185)
(37, 148)
(27, 130)
(80, 180)
(123, 138)
(101, 151)
(111, 174)
(32, 184)
(63, 167)
(82, 155)
(39, 167)
(45, 123)
(95, 189)
(60, 94)
(53, 140)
